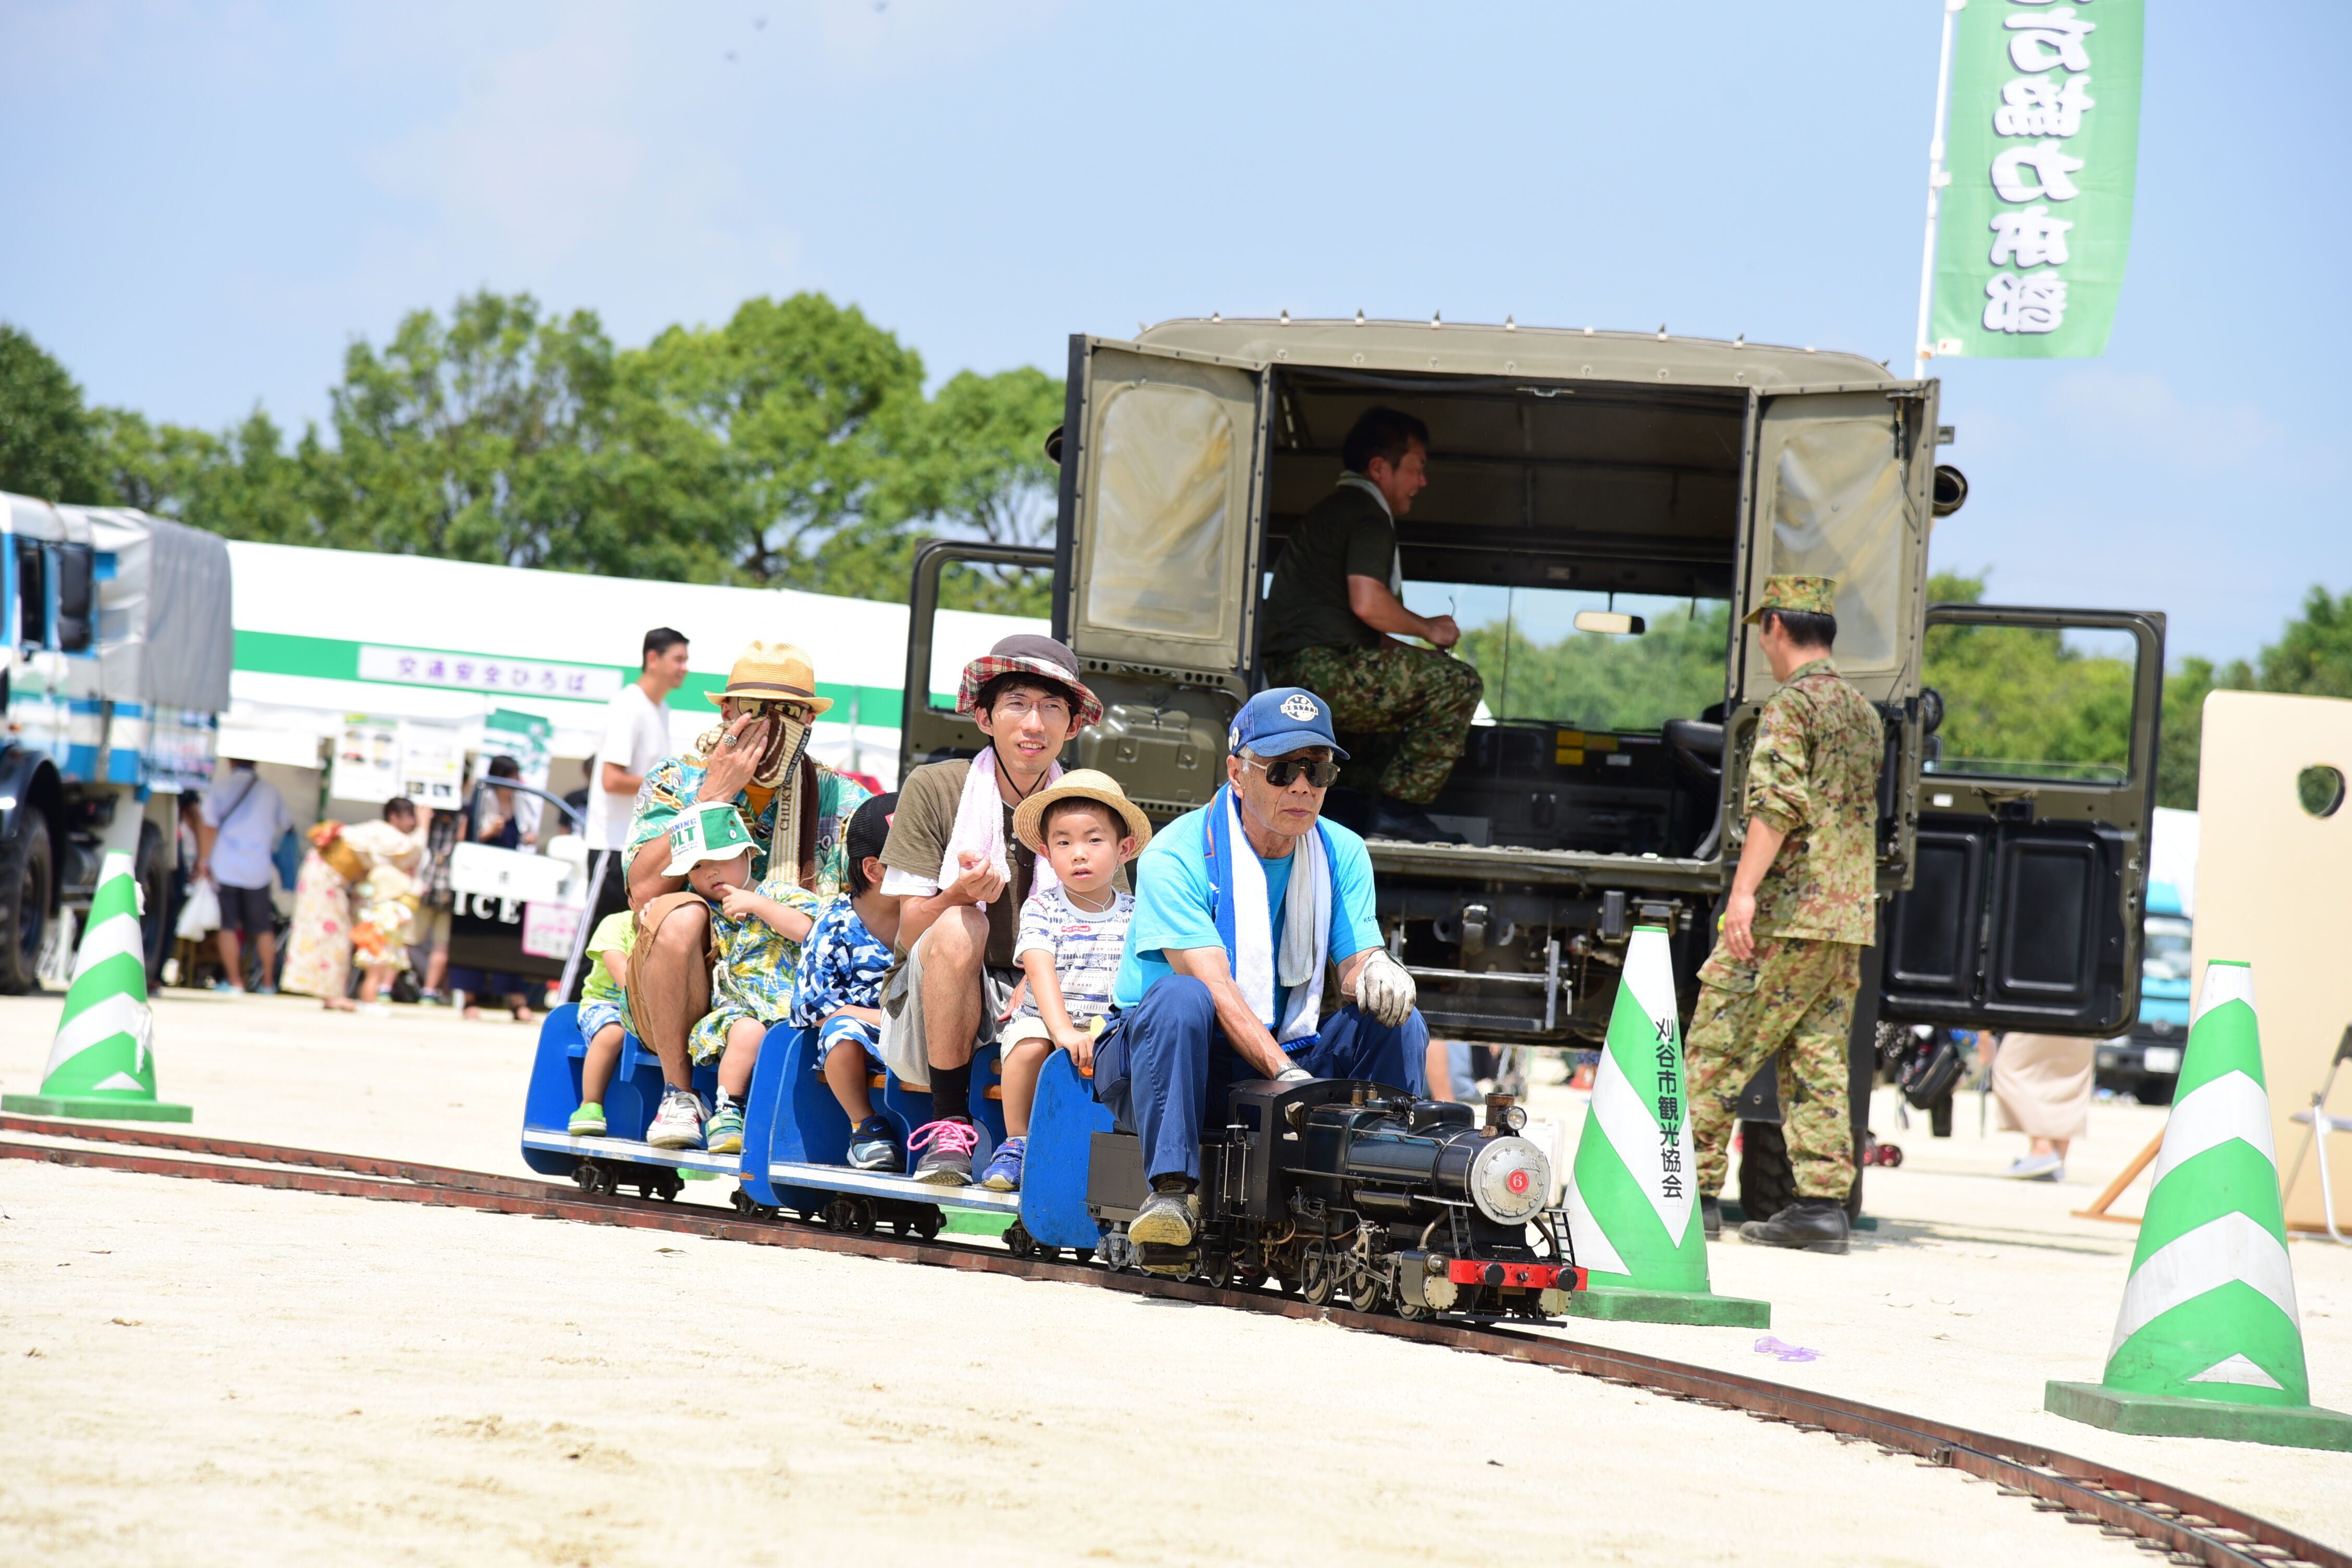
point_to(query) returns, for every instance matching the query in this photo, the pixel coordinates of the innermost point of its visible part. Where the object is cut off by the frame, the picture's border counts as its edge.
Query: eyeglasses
(1321, 772)
(1053, 709)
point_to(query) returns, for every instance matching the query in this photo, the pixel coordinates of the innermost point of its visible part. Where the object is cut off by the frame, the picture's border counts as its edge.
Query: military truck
(120, 645)
(1567, 469)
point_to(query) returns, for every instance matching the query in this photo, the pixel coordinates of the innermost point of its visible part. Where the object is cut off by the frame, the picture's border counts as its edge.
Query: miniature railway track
(2158, 1517)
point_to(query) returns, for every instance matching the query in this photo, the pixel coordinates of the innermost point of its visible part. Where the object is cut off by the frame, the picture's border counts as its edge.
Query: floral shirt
(754, 972)
(670, 788)
(842, 966)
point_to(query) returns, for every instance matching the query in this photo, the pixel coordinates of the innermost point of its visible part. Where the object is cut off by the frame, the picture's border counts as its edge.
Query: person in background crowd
(755, 759)
(437, 904)
(498, 826)
(242, 818)
(364, 863)
(960, 875)
(2043, 1083)
(636, 736)
(838, 991)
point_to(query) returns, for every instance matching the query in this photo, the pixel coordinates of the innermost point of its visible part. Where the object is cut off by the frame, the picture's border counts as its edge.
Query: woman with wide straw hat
(755, 759)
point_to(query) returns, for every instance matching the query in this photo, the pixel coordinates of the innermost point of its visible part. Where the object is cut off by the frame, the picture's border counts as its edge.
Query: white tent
(324, 633)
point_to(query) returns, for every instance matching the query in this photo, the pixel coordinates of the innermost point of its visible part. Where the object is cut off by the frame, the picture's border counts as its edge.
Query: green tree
(46, 448)
(2313, 657)
(2020, 695)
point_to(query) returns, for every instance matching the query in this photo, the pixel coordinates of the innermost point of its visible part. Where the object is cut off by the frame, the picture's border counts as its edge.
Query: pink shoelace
(945, 1137)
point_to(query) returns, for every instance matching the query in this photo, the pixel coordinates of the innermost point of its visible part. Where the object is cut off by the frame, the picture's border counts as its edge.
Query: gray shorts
(902, 1015)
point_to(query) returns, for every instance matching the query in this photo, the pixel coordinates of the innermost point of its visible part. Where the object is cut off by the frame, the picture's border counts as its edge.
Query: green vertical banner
(2042, 149)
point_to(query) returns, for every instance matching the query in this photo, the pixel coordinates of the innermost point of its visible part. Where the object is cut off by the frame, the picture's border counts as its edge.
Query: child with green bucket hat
(755, 949)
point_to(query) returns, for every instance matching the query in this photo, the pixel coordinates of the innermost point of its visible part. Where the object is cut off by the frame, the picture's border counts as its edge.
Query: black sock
(951, 1093)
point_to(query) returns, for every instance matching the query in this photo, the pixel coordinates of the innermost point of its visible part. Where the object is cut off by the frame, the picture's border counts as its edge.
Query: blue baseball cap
(1283, 719)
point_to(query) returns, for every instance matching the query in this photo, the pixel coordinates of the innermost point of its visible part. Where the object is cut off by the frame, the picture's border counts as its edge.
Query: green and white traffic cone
(103, 1064)
(1632, 1198)
(2209, 1342)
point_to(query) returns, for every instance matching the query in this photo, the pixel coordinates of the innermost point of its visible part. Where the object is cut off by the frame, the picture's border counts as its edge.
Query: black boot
(1710, 1217)
(1810, 1225)
(1394, 818)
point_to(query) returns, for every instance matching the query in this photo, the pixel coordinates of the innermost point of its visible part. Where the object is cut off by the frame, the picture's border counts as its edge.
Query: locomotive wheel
(1318, 1284)
(1368, 1292)
(1413, 1314)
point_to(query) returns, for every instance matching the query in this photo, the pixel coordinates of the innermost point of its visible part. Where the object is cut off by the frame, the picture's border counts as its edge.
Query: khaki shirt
(1814, 775)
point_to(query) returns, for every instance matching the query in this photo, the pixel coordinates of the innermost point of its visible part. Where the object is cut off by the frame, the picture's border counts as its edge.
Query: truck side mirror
(77, 616)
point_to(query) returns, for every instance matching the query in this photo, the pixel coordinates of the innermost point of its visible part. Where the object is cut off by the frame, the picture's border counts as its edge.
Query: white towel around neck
(1306, 930)
(979, 827)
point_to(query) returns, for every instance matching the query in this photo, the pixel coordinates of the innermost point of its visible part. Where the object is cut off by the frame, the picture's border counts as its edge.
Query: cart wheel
(841, 1214)
(1018, 1241)
(900, 1227)
(741, 1202)
(928, 1223)
(1082, 1254)
(863, 1217)
(808, 1216)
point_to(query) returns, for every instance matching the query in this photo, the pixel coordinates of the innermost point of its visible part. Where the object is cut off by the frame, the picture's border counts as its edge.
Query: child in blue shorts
(603, 1016)
(838, 991)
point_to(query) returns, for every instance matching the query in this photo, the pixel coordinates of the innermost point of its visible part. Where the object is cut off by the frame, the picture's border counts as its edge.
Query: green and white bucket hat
(711, 831)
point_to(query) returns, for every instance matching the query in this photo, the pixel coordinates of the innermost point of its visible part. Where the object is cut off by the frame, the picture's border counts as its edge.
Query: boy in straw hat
(755, 760)
(755, 932)
(1072, 933)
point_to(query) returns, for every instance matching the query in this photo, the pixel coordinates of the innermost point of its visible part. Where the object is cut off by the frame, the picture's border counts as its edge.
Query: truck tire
(154, 871)
(28, 880)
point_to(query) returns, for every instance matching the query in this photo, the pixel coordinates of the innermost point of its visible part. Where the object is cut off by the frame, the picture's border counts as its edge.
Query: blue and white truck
(120, 645)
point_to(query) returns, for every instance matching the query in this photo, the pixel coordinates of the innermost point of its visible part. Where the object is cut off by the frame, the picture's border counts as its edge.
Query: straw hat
(1082, 784)
(773, 672)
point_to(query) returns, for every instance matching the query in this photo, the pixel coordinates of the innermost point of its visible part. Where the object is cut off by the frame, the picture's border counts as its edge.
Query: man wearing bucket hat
(1242, 908)
(1787, 961)
(755, 759)
(962, 874)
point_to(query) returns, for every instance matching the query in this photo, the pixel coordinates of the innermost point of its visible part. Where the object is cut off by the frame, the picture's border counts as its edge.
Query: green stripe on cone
(1632, 1199)
(102, 1065)
(2209, 1342)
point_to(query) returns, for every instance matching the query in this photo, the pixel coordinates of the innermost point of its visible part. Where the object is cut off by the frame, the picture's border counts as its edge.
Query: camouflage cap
(1797, 595)
(712, 830)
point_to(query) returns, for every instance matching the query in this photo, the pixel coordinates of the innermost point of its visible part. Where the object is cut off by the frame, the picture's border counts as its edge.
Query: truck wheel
(1766, 1183)
(26, 879)
(154, 874)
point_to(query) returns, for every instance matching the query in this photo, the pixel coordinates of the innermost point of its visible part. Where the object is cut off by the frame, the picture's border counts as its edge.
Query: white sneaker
(678, 1123)
(2037, 1168)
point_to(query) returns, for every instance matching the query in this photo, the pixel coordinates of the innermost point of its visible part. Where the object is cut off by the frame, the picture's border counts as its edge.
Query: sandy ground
(201, 1373)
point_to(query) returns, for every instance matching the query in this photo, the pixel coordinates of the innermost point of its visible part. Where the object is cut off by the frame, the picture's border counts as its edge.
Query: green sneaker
(723, 1134)
(588, 1121)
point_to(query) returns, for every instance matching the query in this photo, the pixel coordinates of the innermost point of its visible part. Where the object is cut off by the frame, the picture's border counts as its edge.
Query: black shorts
(246, 910)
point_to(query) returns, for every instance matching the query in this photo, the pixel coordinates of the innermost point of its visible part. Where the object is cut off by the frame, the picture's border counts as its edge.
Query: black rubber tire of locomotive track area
(2190, 1528)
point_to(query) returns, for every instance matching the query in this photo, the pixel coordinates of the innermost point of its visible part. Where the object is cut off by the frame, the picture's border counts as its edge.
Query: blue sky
(208, 202)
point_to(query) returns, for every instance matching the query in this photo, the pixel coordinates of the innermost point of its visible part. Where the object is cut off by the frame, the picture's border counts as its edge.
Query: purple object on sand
(1770, 1346)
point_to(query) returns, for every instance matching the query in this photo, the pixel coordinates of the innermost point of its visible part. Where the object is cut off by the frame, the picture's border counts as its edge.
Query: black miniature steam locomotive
(1342, 1189)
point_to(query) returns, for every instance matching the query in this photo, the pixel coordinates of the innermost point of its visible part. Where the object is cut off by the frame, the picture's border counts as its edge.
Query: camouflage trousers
(1416, 694)
(1792, 1001)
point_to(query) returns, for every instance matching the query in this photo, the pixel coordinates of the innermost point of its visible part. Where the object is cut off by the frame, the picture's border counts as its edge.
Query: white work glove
(1294, 1075)
(1384, 989)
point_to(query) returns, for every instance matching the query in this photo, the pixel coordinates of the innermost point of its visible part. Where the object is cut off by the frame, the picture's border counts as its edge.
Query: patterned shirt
(842, 966)
(670, 787)
(1814, 775)
(757, 963)
(1085, 948)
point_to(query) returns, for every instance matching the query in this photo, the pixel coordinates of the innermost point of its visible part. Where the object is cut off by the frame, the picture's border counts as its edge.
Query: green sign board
(2042, 152)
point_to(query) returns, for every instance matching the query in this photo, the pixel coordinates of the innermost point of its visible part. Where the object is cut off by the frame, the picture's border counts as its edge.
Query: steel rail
(2190, 1527)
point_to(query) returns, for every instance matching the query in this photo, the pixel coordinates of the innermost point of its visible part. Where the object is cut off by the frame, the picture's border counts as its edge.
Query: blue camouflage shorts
(594, 1016)
(841, 1028)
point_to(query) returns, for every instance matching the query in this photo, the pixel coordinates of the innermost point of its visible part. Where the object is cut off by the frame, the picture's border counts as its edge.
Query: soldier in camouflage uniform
(1334, 610)
(1782, 982)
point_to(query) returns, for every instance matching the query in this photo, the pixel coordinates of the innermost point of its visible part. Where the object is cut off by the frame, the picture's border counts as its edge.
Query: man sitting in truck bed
(1335, 611)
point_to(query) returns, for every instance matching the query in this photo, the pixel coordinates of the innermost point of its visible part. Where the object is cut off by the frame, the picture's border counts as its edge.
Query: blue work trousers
(1159, 1062)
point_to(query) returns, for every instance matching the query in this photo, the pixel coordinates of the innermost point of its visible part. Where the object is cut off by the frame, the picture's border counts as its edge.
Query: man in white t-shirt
(636, 736)
(242, 820)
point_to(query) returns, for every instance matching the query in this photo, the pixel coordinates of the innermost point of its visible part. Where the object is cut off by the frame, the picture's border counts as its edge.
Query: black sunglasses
(1283, 772)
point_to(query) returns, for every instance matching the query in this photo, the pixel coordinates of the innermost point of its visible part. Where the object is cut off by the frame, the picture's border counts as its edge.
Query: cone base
(1627, 1304)
(89, 1108)
(2161, 1416)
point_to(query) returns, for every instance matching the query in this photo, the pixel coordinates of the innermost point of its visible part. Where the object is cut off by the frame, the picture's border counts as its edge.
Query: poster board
(2270, 890)
(366, 766)
(433, 763)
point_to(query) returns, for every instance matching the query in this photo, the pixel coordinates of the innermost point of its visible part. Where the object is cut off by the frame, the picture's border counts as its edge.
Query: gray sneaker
(678, 1123)
(947, 1149)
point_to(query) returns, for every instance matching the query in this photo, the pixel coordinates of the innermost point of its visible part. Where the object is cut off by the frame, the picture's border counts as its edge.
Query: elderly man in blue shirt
(1238, 907)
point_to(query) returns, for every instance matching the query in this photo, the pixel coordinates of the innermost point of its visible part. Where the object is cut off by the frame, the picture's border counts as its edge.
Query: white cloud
(2140, 410)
